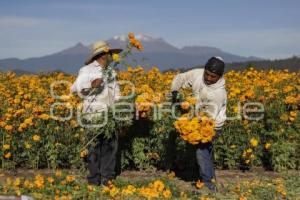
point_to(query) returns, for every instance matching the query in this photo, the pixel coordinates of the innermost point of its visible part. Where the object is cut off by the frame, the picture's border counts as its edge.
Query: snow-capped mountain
(156, 52)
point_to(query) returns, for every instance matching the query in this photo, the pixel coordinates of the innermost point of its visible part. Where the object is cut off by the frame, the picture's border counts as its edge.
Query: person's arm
(182, 80)
(84, 83)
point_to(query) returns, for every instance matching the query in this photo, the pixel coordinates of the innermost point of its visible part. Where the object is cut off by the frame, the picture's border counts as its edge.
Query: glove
(174, 96)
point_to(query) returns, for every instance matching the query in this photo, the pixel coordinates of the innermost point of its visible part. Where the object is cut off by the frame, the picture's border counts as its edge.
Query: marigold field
(33, 137)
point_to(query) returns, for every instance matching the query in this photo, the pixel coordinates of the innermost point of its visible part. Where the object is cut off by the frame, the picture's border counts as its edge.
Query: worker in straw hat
(99, 92)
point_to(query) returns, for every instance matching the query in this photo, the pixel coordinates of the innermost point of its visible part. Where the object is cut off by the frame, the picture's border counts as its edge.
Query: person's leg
(93, 160)
(204, 156)
(109, 150)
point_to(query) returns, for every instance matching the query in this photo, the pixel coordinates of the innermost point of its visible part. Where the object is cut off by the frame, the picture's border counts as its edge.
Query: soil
(223, 176)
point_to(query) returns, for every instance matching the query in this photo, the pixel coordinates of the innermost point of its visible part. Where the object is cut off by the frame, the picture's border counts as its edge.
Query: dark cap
(215, 65)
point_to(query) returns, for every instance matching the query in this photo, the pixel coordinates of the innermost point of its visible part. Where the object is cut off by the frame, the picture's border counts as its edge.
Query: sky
(262, 28)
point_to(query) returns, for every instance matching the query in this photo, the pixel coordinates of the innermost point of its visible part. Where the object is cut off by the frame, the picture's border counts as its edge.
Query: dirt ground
(222, 176)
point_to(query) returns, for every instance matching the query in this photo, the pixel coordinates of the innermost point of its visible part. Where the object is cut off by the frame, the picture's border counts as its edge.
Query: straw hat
(100, 47)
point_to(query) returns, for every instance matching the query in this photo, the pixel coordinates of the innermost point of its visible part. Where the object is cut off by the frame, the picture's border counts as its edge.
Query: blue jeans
(205, 160)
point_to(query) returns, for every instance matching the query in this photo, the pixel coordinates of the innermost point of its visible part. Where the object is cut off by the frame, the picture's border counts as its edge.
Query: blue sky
(263, 28)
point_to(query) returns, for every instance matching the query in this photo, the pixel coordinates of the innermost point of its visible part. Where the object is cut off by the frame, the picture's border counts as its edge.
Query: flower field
(262, 130)
(156, 185)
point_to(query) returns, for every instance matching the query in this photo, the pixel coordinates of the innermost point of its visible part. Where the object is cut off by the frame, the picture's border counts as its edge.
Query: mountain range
(157, 52)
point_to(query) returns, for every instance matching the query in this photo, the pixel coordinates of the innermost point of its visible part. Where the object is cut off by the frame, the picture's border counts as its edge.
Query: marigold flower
(8, 127)
(84, 153)
(36, 138)
(27, 145)
(116, 57)
(167, 194)
(253, 142)
(195, 130)
(199, 184)
(267, 146)
(70, 178)
(185, 105)
(7, 155)
(159, 185)
(131, 35)
(50, 180)
(6, 147)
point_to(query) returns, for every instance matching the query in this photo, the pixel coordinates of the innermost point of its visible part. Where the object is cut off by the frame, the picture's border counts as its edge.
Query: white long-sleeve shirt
(98, 102)
(211, 99)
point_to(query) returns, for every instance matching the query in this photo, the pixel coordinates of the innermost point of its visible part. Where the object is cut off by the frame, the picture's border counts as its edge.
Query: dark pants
(101, 161)
(205, 160)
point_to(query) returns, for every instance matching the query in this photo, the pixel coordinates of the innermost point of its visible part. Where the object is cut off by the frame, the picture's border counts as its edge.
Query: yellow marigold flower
(292, 118)
(149, 192)
(105, 189)
(287, 89)
(171, 175)
(27, 145)
(253, 142)
(290, 100)
(23, 125)
(242, 197)
(84, 153)
(28, 120)
(113, 191)
(195, 130)
(17, 182)
(129, 190)
(7, 155)
(70, 178)
(185, 105)
(6, 147)
(28, 184)
(39, 181)
(159, 185)
(116, 57)
(199, 184)
(44, 116)
(8, 127)
(50, 180)
(167, 194)
(134, 42)
(18, 192)
(58, 173)
(284, 117)
(249, 151)
(2, 124)
(191, 100)
(293, 113)
(131, 35)
(91, 188)
(36, 138)
(267, 146)
(17, 101)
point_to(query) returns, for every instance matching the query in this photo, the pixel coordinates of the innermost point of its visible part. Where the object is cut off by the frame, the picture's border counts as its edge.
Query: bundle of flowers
(199, 129)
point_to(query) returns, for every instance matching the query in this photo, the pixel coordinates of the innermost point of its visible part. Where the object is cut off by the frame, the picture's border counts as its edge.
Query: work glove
(174, 96)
